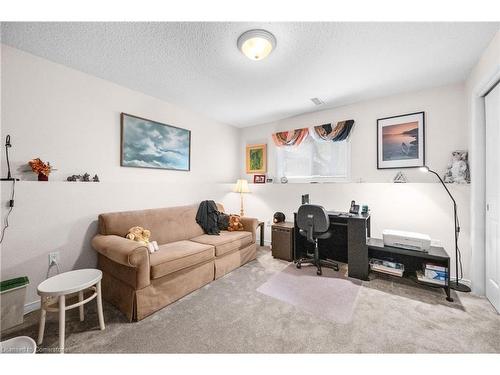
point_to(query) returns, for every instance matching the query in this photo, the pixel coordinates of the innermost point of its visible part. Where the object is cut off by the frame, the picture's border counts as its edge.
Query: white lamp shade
(241, 186)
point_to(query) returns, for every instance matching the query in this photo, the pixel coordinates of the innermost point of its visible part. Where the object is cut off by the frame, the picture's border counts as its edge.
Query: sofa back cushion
(166, 224)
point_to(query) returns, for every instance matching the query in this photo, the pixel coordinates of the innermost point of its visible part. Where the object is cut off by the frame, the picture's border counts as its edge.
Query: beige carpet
(231, 316)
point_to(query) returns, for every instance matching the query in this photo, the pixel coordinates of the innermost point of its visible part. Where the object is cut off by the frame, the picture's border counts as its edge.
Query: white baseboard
(32, 306)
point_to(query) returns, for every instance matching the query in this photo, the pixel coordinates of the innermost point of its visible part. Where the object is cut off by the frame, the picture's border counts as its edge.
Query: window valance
(325, 132)
(290, 138)
(337, 133)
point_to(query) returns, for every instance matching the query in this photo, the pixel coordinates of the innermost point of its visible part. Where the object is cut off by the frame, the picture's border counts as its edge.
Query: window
(314, 160)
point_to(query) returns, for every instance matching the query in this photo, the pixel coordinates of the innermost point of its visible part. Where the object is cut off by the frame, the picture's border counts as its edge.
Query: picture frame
(147, 143)
(259, 179)
(256, 159)
(401, 141)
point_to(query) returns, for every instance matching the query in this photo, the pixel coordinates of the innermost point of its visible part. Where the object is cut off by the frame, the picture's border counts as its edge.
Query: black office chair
(314, 224)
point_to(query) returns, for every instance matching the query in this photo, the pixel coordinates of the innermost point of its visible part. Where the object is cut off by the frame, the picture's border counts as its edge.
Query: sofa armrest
(250, 224)
(125, 252)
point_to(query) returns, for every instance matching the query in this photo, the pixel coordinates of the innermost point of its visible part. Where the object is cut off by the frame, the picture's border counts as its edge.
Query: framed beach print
(151, 144)
(401, 141)
(256, 158)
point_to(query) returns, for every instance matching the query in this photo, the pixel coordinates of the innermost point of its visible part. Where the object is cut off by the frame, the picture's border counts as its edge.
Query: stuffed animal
(139, 234)
(458, 168)
(234, 223)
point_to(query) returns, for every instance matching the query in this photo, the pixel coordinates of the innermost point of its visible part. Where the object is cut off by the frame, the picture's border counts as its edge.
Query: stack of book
(433, 274)
(388, 267)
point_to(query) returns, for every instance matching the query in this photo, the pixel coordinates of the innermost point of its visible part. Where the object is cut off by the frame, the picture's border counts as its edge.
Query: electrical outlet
(53, 258)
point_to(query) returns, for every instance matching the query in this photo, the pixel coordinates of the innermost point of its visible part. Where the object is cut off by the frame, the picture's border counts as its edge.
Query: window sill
(317, 180)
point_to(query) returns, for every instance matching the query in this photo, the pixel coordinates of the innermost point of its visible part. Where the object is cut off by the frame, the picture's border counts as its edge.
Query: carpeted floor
(231, 316)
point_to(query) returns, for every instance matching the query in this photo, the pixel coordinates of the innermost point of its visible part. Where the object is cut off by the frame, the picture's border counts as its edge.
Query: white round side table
(62, 285)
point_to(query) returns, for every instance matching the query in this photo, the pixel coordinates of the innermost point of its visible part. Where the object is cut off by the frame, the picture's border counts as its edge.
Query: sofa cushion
(226, 241)
(178, 255)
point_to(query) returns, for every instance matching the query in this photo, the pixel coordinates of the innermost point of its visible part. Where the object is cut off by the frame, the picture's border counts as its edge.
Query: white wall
(485, 74)
(72, 120)
(422, 207)
(445, 128)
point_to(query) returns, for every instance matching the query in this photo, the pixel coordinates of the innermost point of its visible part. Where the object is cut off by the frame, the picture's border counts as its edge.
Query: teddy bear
(458, 169)
(139, 234)
(234, 223)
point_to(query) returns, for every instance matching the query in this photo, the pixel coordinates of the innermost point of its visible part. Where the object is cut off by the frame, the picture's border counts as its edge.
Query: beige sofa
(140, 283)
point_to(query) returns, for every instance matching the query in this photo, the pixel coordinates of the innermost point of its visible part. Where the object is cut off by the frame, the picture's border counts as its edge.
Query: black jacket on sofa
(207, 217)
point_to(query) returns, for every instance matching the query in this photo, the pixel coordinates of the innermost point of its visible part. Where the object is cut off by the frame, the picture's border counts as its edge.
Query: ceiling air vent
(317, 101)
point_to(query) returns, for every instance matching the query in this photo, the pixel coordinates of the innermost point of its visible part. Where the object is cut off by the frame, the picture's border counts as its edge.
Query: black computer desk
(347, 243)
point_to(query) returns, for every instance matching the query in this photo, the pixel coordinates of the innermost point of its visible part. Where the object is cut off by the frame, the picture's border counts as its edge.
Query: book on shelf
(435, 275)
(435, 267)
(421, 277)
(386, 266)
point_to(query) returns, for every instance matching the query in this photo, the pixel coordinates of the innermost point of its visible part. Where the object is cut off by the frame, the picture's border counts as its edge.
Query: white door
(492, 106)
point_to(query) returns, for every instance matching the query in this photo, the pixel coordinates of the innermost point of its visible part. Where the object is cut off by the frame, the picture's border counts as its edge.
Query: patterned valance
(336, 133)
(290, 138)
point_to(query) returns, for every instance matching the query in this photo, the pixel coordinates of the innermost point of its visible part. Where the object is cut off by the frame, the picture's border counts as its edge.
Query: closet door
(492, 107)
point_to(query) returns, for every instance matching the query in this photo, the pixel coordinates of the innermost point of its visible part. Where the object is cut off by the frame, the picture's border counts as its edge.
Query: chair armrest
(250, 224)
(125, 252)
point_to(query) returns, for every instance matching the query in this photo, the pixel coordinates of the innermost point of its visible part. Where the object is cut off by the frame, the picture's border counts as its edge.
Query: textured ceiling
(197, 65)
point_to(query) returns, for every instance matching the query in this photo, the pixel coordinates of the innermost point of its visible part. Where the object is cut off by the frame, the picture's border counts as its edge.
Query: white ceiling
(198, 66)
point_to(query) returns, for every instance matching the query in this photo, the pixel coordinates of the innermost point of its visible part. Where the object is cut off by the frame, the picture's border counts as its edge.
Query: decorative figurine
(400, 178)
(74, 178)
(82, 178)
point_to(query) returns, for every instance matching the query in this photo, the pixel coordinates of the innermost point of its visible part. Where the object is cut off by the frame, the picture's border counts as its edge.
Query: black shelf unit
(412, 260)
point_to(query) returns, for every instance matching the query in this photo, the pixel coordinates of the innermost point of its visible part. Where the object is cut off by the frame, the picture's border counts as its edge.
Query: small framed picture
(256, 158)
(259, 179)
(401, 141)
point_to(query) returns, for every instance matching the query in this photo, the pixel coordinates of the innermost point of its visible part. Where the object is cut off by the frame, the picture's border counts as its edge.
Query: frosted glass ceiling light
(256, 44)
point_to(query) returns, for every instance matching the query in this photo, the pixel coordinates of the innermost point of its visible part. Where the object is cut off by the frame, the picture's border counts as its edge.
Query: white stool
(64, 284)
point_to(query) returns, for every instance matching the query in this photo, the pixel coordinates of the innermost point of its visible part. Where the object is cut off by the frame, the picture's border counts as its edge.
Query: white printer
(406, 240)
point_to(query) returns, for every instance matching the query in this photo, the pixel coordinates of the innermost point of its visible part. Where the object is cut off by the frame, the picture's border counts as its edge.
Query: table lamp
(456, 285)
(241, 187)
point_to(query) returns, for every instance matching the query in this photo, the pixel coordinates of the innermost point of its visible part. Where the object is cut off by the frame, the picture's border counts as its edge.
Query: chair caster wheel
(319, 273)
(298, 265)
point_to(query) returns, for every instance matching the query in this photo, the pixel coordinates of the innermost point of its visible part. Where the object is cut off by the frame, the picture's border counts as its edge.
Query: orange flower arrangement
(39, 167)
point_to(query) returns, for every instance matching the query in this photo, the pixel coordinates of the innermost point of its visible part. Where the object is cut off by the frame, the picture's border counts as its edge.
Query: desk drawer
(282, 243)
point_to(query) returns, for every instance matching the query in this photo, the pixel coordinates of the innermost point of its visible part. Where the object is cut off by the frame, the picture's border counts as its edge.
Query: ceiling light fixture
(256, 44)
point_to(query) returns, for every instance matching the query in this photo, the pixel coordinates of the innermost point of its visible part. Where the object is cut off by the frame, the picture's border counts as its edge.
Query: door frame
(477, 132)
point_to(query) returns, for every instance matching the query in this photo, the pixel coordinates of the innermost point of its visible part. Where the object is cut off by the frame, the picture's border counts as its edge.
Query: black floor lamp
(455, 285)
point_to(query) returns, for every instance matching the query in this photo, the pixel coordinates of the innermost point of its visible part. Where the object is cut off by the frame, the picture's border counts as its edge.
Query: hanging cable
(11, 207)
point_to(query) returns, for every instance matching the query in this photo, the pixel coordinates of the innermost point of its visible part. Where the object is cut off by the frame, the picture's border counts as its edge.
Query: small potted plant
(41, 169)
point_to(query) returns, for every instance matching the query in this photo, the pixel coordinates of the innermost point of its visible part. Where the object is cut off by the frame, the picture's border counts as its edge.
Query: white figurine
(458, 168)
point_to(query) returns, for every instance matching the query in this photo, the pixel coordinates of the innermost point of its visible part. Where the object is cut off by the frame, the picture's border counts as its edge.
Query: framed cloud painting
(150, 144)
(401, 141)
